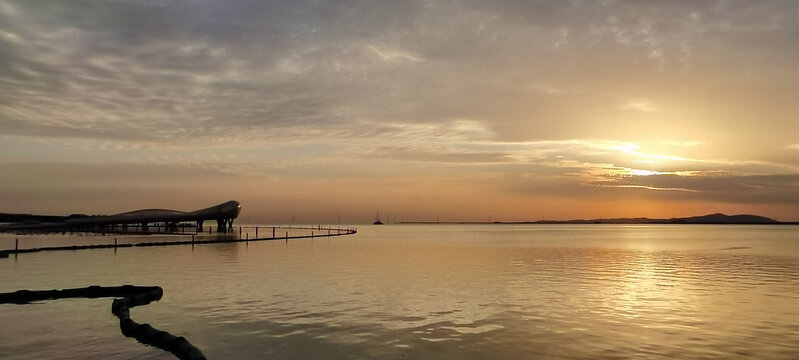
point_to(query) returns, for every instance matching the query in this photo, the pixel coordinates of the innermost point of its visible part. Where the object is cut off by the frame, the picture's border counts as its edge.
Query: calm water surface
(429, 292)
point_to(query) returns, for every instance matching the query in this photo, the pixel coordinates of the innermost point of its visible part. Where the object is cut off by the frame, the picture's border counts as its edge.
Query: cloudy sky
(465, 110)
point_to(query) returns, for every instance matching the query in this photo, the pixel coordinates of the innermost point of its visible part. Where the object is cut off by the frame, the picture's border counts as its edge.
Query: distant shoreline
(575, 222)
(711, 219)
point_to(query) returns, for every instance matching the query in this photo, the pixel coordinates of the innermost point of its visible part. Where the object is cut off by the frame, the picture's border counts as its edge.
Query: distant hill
(717, 218)
(704, 219)
(724, 219)
(13, 218)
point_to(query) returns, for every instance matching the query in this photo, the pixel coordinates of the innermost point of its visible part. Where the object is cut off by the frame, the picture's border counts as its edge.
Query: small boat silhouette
(377, 219)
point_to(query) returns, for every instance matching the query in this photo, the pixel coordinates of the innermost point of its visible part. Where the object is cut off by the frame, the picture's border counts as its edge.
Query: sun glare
(639, 172)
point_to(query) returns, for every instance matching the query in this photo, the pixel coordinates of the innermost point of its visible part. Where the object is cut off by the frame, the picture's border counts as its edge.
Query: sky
(456, 110)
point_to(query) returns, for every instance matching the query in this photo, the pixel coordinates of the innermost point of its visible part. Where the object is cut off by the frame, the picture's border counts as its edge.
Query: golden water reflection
(465, 292)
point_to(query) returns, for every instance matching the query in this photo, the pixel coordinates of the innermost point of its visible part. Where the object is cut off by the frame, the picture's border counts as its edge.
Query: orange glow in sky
(457, 110)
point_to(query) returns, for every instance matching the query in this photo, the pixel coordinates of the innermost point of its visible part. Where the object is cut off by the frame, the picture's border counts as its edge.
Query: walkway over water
(141, 220)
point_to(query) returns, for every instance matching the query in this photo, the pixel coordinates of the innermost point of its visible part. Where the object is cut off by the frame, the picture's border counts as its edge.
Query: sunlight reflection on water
(427, 292)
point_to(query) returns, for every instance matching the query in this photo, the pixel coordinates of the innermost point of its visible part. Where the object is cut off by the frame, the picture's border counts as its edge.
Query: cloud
(392, 54)
(174, 70)
(551, 91)
(639, 105)
(769, 189)
(683, 143)
(400, 154)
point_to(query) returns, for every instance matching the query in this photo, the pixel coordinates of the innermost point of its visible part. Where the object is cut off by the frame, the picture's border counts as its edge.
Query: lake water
(428, 292)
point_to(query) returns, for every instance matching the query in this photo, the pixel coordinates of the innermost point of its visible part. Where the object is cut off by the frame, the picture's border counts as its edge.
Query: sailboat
(377, 219)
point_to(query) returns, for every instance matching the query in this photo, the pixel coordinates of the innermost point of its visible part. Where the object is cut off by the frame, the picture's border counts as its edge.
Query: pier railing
(245, 234)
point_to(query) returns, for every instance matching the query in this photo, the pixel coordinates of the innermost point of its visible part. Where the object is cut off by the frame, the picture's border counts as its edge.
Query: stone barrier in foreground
(126, 297)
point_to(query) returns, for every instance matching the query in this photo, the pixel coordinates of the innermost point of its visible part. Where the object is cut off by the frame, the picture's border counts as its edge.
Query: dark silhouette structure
(224, 214)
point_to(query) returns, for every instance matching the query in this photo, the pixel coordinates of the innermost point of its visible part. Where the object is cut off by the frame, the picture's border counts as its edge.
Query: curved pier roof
(224, 212)
(227, 210)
